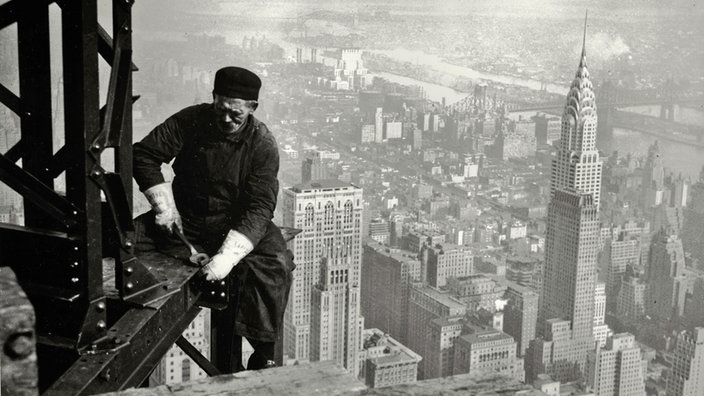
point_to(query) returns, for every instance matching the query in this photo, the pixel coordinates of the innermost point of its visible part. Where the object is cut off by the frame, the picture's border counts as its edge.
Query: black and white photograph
(359, 197)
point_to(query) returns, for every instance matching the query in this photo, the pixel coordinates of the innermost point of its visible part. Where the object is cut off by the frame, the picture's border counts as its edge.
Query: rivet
(222, 283)
(96, 173)
(74, 264)
(129, 270)
(129, 285)
(212, 292)
(75, 248)
(117, 340)
(100, 307)
(28, 114)
(96, 146)
(74, 280)
(101, 324)
(75, 212)
(128, 243)
(222, 294)
(126, 28)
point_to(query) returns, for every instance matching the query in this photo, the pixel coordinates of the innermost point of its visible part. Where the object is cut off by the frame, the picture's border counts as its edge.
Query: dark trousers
(226, 345)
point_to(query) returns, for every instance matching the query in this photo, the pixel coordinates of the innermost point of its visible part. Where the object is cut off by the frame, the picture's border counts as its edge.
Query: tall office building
(336, 324)
(520, 314)
(566, 316)
(330, 214)
(426, 305)
(447, 261)
(601, 330)
(616, 255)
(631, 295)
(666, 277)
(618, 369)
(387, 275)
(686, 377)
(577, 165)
(693, 227)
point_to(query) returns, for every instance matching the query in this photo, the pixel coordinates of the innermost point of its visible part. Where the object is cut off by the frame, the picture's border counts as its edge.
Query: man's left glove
(235, 247)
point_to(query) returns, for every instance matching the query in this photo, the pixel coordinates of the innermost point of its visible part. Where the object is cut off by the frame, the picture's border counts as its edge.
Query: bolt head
(129, 270)
(101, 325)
(100, 307)
(129, 285)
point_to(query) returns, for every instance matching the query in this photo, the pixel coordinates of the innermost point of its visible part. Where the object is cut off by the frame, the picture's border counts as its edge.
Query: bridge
(665, 102)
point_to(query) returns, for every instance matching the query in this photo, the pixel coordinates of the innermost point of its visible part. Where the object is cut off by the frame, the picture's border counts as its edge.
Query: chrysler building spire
(577, 166)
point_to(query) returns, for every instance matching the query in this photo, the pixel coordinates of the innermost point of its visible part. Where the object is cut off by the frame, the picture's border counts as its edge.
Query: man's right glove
(161, 197)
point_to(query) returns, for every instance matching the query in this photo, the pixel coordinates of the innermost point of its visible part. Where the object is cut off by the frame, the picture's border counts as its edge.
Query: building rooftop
(441, 296)
(395, 253)
(486, 335)
(318, 185)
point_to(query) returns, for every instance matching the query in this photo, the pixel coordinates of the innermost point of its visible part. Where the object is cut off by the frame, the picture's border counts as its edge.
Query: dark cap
(236, 82)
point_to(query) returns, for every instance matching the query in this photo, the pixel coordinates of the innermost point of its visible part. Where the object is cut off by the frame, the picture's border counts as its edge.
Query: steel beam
(122, 19)
(9, 99)
(37, 194)
(81, 109)
(197, 357)
(35, 98)
(138, 339)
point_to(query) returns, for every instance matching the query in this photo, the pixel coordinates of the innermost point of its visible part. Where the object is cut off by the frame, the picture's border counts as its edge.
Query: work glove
(161, 197)
(233, 249)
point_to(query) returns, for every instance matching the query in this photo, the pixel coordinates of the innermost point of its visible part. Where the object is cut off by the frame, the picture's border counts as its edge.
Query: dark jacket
(225, 182)
(221, 182)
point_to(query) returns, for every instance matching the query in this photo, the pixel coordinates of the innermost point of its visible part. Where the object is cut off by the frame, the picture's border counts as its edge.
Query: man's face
(230, 113)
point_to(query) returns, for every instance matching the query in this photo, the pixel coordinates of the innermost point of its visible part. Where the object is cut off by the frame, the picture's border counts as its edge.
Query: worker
(222, 198)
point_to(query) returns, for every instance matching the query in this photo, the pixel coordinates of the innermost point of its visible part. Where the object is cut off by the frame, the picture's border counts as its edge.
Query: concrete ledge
(463, 384)
(320, 378)
(327, 378)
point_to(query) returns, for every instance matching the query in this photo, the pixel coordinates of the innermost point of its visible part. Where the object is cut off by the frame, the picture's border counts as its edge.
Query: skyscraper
(566, 316)
(666, 277)
(617, 369)
(330, 214)
(336, 325)
(577, 165)
(686, 377)
(387, 275)
(520, 314)
(426, 305)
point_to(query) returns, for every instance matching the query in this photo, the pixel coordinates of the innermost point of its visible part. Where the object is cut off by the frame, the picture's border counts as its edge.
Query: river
(679, 157)
(435, 62)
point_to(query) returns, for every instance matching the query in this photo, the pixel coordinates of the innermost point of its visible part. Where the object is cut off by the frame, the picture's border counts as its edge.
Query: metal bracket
(136, 284)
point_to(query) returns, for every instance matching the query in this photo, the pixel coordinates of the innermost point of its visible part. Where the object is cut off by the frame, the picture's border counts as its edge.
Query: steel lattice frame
(90, 342)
